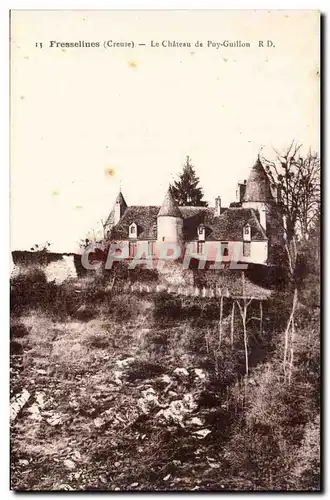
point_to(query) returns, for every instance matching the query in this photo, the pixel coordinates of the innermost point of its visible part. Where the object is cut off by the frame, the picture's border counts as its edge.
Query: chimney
(240, 191)
(217, 210)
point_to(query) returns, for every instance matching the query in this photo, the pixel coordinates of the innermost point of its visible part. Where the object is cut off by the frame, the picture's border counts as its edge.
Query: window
(201, 232)
(224, 249)
(132, 231)
(200, 247)
(247, 233)
(246, 249)
(132, 249)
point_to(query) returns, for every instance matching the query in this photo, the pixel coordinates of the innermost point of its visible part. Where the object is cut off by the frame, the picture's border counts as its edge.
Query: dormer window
(201, 232)
(132, 230)
(247, 232)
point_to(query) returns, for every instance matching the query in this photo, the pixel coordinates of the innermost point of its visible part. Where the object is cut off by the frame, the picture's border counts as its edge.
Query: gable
(145, 218)
(229, 226)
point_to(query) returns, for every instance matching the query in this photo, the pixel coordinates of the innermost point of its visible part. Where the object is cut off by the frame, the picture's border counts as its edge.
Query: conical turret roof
(123, 205)
(169, 207)
(258, 185)
(121, 200)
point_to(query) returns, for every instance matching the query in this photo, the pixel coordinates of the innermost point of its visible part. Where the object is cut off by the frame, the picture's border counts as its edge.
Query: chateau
(248, 231)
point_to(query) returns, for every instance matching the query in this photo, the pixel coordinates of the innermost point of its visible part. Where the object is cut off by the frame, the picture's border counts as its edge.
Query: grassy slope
(73, 364)
(109, 431)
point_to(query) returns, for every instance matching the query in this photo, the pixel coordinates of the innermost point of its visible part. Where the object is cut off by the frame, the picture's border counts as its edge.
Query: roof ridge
(143, 206)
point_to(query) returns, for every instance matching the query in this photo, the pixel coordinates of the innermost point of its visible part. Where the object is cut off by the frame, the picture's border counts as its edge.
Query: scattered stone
(103, 478)
(134, 485)
(214, 466)
(23, 461)
(189, 401)
(35, 412)
(117, 375)
(166, 477)
(56, 419)
(178, 409)
(176, 462)
(69, 464)
(195, 421)
(75, 405)
(202, 433)
(166, 379)
(17, 403)
(181, 371)
(65, 487)
(40, 398)
(199, 373)
(150, 390)
(123, 363)
(98, 422)
(76, 455)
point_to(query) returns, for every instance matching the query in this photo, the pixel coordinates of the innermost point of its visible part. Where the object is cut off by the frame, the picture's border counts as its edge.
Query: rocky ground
(109, 405)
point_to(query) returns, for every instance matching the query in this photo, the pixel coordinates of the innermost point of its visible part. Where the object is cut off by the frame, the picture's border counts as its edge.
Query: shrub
(167, 306)
(28, 288)
(18, 330)
(15, 347)
(85, 313)
(306, 473)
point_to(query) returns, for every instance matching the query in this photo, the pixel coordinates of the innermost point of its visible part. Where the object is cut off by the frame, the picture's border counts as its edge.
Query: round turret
(169, 220)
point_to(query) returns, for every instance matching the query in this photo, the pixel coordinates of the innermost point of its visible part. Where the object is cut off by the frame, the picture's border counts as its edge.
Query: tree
(297, 179)
(44, 248)
(186, 191)
(309, 199)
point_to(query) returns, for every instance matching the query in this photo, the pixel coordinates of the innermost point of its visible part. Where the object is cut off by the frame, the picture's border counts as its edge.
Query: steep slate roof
(144, 217)
(120, 199)
(169, 207)
(227, 227)
(258, 185)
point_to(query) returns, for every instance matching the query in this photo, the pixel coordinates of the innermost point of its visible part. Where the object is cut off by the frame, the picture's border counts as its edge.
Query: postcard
(165, 250)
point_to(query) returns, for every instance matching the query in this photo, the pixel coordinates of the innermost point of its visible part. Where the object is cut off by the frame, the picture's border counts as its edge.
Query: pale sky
(78, 113)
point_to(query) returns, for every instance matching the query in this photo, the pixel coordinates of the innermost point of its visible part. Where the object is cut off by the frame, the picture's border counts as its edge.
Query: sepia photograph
(165, 250)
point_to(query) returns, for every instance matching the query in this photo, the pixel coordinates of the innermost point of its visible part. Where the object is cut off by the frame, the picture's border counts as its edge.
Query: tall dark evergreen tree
(186, 191)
